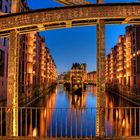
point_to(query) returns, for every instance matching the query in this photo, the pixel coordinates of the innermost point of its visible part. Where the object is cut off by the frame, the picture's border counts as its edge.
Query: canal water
(72, 115)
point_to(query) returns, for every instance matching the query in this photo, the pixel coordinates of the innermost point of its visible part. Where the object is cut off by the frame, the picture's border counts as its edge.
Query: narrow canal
(65, 114)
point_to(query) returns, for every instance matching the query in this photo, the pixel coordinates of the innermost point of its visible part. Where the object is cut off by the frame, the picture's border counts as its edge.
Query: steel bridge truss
(12, 25)
(69, 16)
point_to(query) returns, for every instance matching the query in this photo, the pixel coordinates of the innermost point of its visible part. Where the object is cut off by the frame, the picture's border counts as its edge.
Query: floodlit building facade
(78, 75)
(36, 65)
(5, 7)
(91, 77)
(123, 61)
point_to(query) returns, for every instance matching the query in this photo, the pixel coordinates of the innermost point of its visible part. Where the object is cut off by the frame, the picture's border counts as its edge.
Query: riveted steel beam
(12, 86)
(79, 15)
(100, 86)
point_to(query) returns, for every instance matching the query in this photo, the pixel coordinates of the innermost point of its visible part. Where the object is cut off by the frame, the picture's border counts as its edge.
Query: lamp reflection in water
(117, 119)
(117, 115)
(123, 123)
(35, 132)
(46, 115)
(42, 121)
(127, 126)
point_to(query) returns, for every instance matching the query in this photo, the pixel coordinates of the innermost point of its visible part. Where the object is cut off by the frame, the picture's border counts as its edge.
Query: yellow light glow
(123, 123)
(117, 114)
(35, 132)
(45, 113)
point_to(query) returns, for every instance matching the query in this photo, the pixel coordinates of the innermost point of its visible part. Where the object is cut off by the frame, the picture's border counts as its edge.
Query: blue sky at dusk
(78, 44)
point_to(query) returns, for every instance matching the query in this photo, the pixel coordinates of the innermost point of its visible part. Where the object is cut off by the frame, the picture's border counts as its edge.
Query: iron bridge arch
(12, 25)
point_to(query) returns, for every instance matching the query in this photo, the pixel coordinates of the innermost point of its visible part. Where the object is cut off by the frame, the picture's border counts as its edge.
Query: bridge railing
(37, 122)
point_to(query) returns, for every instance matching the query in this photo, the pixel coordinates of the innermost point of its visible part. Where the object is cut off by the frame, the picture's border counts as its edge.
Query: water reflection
(64, 114)
(39, 121)
(46, 115)
(121, 121)
(74, 115)
(77, 101)
(91, 90)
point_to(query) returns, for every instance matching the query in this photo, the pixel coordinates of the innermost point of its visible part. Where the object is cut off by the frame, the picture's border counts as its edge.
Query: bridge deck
(70, 16)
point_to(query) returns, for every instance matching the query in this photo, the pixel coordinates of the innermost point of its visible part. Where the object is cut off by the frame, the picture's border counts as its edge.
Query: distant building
(78, 75)
(91, 77)
(64, 77)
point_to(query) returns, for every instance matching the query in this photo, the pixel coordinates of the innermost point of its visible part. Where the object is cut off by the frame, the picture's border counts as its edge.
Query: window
(6, 9)
(0, 55)
(0, 5)
(124, 80)
(134, 70)
(4, 42)
(134, 41)
(133, 34)
(134, 48)
(129, 81)
(134, 62)
(2, 58)
(134, 80)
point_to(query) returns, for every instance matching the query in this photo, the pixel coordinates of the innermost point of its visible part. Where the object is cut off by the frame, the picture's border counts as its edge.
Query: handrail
(44, 122)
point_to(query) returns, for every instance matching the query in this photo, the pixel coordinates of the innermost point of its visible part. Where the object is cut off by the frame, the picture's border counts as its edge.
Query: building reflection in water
(91, 90)
(120, 121)
(78, 117)
(77, 101)
(48, 111)
(44, 116)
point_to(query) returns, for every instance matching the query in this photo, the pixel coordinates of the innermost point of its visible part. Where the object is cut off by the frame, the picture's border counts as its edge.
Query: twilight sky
(76, 44)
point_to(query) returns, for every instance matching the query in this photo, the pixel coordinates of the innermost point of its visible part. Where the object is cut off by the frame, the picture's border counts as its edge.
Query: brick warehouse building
(5, 7)
(123, 61)
(34, 59)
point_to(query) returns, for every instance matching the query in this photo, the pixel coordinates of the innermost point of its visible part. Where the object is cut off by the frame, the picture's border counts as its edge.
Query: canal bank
(133, 98)
(36, 94)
